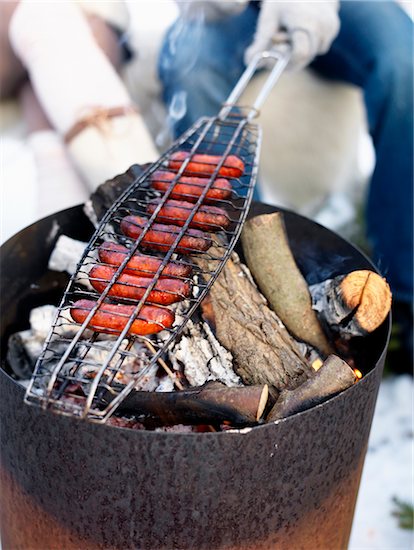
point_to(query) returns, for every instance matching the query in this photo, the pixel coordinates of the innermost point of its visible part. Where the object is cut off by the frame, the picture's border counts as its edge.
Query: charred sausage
(161, 237)
(166, 291)
(140, 264)
(205, 165)
(190, 188)
(112, 318)
(207, 218)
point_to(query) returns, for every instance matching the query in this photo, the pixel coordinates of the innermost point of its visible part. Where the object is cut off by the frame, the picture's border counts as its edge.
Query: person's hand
(312, 26)
(210, 10)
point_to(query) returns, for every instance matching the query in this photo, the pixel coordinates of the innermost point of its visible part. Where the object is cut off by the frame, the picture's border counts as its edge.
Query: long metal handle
(280, 58)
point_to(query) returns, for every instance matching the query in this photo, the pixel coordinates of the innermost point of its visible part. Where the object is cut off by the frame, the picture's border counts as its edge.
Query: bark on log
(354, 304)
(269, 258)
(212, 403)
(333, 377)
(263, 350)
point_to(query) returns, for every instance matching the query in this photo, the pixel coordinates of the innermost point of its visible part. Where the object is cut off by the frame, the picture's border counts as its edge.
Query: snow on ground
(388, 471)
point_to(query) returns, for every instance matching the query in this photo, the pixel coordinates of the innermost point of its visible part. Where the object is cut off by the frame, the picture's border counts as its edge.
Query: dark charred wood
(333, 377)
(212, 403)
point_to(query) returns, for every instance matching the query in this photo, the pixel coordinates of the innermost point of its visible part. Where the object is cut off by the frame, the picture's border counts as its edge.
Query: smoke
(178, 59)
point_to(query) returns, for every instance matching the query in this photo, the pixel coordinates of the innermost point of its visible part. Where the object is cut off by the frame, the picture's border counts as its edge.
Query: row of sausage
(174, 282)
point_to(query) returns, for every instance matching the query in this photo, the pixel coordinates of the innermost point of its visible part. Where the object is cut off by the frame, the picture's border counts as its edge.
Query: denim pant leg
(200, 62)
(374, 51)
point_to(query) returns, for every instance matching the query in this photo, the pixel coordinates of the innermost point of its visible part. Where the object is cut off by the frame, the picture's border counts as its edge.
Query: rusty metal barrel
(70, 484)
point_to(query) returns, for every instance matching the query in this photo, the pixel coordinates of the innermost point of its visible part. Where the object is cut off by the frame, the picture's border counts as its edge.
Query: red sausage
(113, 317)
(161, 237)
(233, 167)
(190, 188)
(166, 291)
(207, 218)
(140, 264)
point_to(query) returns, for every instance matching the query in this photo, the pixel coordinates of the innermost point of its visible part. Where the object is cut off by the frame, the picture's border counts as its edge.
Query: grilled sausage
(205, 165)
(190, 188)
(112, 318)
(166, 291)
(161, 237)
(140, 264)
(207, 218)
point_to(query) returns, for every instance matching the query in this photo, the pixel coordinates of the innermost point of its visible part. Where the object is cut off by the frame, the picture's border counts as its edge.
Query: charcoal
(107, 193)
(19, 359)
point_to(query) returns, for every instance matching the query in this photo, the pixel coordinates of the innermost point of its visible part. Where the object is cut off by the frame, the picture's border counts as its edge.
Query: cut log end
(332, 378)
(264, 397)
(369, 295)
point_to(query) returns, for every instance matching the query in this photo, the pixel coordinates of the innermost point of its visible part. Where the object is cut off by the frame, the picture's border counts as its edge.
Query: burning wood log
(263, 350)
(354, 304)
(209, 404)
(270, 259)
(333, 377)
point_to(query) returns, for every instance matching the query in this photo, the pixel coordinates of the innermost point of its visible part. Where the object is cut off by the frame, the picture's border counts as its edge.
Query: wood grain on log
(263, 350)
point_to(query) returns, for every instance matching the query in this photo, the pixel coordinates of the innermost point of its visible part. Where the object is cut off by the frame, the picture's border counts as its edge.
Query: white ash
(66, 254)
(198, 352)
(96, 354)
(177, 428)
(66, 257)
(203, 357)
(41, 319)
(166, 384)
(90, 213)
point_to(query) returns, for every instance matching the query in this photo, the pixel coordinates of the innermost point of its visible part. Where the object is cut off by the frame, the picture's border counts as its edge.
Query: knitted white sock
(72, 78)
(59, 186)
(69, 72)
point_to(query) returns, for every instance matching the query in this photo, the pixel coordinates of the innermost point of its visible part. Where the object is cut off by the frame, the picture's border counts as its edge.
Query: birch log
(271, 262)
(354, 304)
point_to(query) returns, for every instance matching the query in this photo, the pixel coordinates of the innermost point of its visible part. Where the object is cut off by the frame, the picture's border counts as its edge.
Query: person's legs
(12, 72)
(200, 62)
(79, 89)
(374, 51)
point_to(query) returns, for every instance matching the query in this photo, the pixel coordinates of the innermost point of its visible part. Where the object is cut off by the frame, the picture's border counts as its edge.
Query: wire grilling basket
(140, 278)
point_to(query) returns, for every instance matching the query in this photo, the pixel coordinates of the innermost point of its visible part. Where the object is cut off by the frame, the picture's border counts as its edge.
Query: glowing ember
(316, 365)
(358, 374)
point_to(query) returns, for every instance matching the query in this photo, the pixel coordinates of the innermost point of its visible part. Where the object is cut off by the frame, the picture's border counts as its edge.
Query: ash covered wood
(201, 357)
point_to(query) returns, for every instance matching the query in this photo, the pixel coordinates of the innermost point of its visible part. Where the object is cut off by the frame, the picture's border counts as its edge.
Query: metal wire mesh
(85, 374)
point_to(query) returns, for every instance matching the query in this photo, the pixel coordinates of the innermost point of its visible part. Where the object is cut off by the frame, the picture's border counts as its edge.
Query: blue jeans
(199, 65)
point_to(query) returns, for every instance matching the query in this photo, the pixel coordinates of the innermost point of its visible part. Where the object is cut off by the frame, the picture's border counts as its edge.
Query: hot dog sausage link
(205, 165)
(161, 237)
(207, 218)
(166, 291)
(110, 318)
(140, 264)
(190, 188)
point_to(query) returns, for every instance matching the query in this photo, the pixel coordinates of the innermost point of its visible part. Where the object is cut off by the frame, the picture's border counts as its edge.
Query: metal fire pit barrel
(70, 484)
